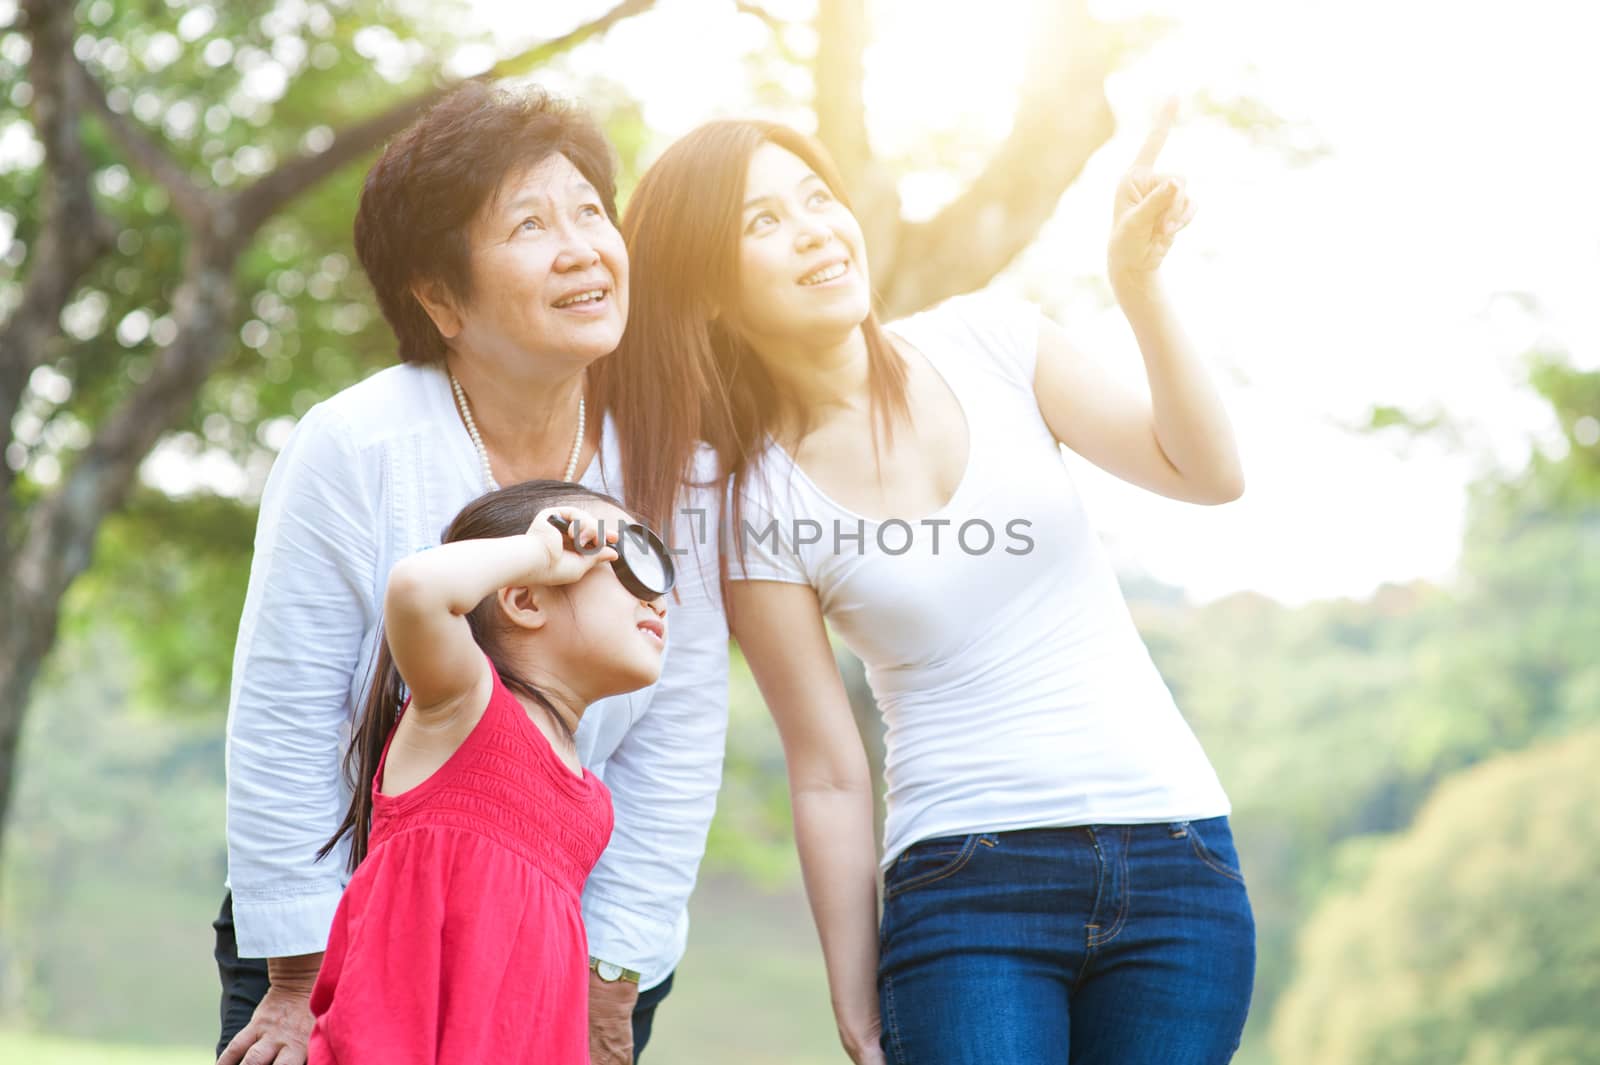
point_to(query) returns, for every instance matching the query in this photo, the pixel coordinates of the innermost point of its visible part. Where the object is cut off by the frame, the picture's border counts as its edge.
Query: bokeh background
(1390, 647)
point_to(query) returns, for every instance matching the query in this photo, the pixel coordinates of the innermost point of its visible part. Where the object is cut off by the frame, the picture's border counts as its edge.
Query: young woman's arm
(431, 593)
(779, 629)
(1176, 439)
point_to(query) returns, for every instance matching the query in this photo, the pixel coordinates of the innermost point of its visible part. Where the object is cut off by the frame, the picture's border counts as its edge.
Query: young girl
(1060, 883)
(459, 937)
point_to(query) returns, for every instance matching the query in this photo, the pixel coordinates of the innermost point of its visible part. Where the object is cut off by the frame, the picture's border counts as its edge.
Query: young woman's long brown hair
(506, 512)
(683, 373)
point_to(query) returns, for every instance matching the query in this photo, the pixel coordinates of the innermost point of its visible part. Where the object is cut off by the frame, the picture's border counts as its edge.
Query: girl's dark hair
(422, 194)
(682, 231)
(506, 512)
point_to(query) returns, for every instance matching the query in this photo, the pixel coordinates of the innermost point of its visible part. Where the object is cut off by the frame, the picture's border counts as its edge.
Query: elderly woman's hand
(611, 1020)
(280, 1028)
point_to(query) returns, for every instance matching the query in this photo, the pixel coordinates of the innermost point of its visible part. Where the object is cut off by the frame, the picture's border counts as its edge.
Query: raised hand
(1149, 209)
(569, 554)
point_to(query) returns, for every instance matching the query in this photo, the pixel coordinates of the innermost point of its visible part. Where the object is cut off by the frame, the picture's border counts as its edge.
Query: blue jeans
(1099, 945)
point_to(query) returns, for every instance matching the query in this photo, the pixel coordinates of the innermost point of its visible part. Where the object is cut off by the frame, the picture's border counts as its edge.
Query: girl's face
(802, 260)
(614, 640)
(549, 270)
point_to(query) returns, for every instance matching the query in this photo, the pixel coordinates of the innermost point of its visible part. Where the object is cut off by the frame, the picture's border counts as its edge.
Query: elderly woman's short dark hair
(422, 194)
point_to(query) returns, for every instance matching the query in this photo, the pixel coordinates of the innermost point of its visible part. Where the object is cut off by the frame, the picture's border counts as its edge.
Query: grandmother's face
(549, 270)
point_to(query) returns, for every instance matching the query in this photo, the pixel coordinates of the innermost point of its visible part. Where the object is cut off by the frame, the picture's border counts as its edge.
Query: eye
(818, 198)
(761, 220)
(590, 210)
(529, 225)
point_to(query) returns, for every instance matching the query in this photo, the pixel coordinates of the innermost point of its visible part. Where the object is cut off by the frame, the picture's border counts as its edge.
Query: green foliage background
(1474, 929)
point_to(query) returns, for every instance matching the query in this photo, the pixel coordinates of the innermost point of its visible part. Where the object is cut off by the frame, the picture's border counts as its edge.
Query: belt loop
(1178, 829)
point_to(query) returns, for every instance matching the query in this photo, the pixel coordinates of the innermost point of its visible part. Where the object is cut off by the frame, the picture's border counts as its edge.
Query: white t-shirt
(369, 477)
(1015, 689)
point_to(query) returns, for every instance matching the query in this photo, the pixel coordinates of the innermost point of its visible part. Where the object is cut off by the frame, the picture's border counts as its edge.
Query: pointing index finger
(1157, 137)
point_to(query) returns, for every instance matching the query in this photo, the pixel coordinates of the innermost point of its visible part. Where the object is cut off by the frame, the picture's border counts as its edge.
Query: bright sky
(1457, 171)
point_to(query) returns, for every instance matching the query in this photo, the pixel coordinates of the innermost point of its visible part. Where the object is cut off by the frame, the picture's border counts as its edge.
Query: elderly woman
(488, 232)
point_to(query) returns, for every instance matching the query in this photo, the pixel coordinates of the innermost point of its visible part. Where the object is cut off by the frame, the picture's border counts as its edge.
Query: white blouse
(1015, 689)
(368, 477)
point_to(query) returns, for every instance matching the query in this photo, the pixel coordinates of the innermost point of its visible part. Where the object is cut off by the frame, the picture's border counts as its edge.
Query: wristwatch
(611, 973)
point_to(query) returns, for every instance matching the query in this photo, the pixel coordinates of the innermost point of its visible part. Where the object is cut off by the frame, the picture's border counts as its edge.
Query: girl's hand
(563, 558)
(1149, 210)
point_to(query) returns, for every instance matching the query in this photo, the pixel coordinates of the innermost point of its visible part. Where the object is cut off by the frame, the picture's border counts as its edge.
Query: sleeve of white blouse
(1004, 327)
(764, 531)
(306, 612)
(665, 773)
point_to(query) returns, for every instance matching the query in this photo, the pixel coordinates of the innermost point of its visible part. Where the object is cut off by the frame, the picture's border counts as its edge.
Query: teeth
(827, 273)
(592, 296)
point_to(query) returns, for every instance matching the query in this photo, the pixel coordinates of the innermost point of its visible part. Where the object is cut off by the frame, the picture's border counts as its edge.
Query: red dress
(459, 939)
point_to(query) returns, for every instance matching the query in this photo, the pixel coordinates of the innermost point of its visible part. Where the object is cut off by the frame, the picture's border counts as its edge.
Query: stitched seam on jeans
(956, 865)
(1083, 968)
(1122, 912)
(1092, 929)
(891, 1023)
(1204, 854)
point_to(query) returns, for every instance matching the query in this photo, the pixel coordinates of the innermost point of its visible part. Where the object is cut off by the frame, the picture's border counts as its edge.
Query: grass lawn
(751, 989)
(54, 1050)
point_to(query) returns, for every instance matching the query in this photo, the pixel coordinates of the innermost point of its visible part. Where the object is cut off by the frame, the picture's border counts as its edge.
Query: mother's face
(549, 270)
(802, 259)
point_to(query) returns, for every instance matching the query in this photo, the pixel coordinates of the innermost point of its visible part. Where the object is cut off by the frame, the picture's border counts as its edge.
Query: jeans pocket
(932, 860)
(1212, 842)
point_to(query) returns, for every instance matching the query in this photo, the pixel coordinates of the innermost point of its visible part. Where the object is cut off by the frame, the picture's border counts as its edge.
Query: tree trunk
(1062, 118)
(26, 635)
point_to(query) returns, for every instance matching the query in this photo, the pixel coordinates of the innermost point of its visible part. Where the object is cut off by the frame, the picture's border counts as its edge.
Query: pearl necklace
(465, 410)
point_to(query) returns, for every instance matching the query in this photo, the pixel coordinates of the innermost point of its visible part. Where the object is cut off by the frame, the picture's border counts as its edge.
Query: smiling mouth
(654, 629)
(586, 298)
(831, 272)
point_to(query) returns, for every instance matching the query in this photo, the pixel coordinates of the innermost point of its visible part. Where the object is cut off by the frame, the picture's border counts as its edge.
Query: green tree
(114, 860)
(1473, 939)
(1332, 724)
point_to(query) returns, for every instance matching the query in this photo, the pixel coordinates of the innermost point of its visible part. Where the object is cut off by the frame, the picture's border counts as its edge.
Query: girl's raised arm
(431, 593)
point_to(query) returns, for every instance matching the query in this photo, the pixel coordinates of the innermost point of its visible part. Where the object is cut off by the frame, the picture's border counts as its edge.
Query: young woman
(1059, 879)
(459, 937)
